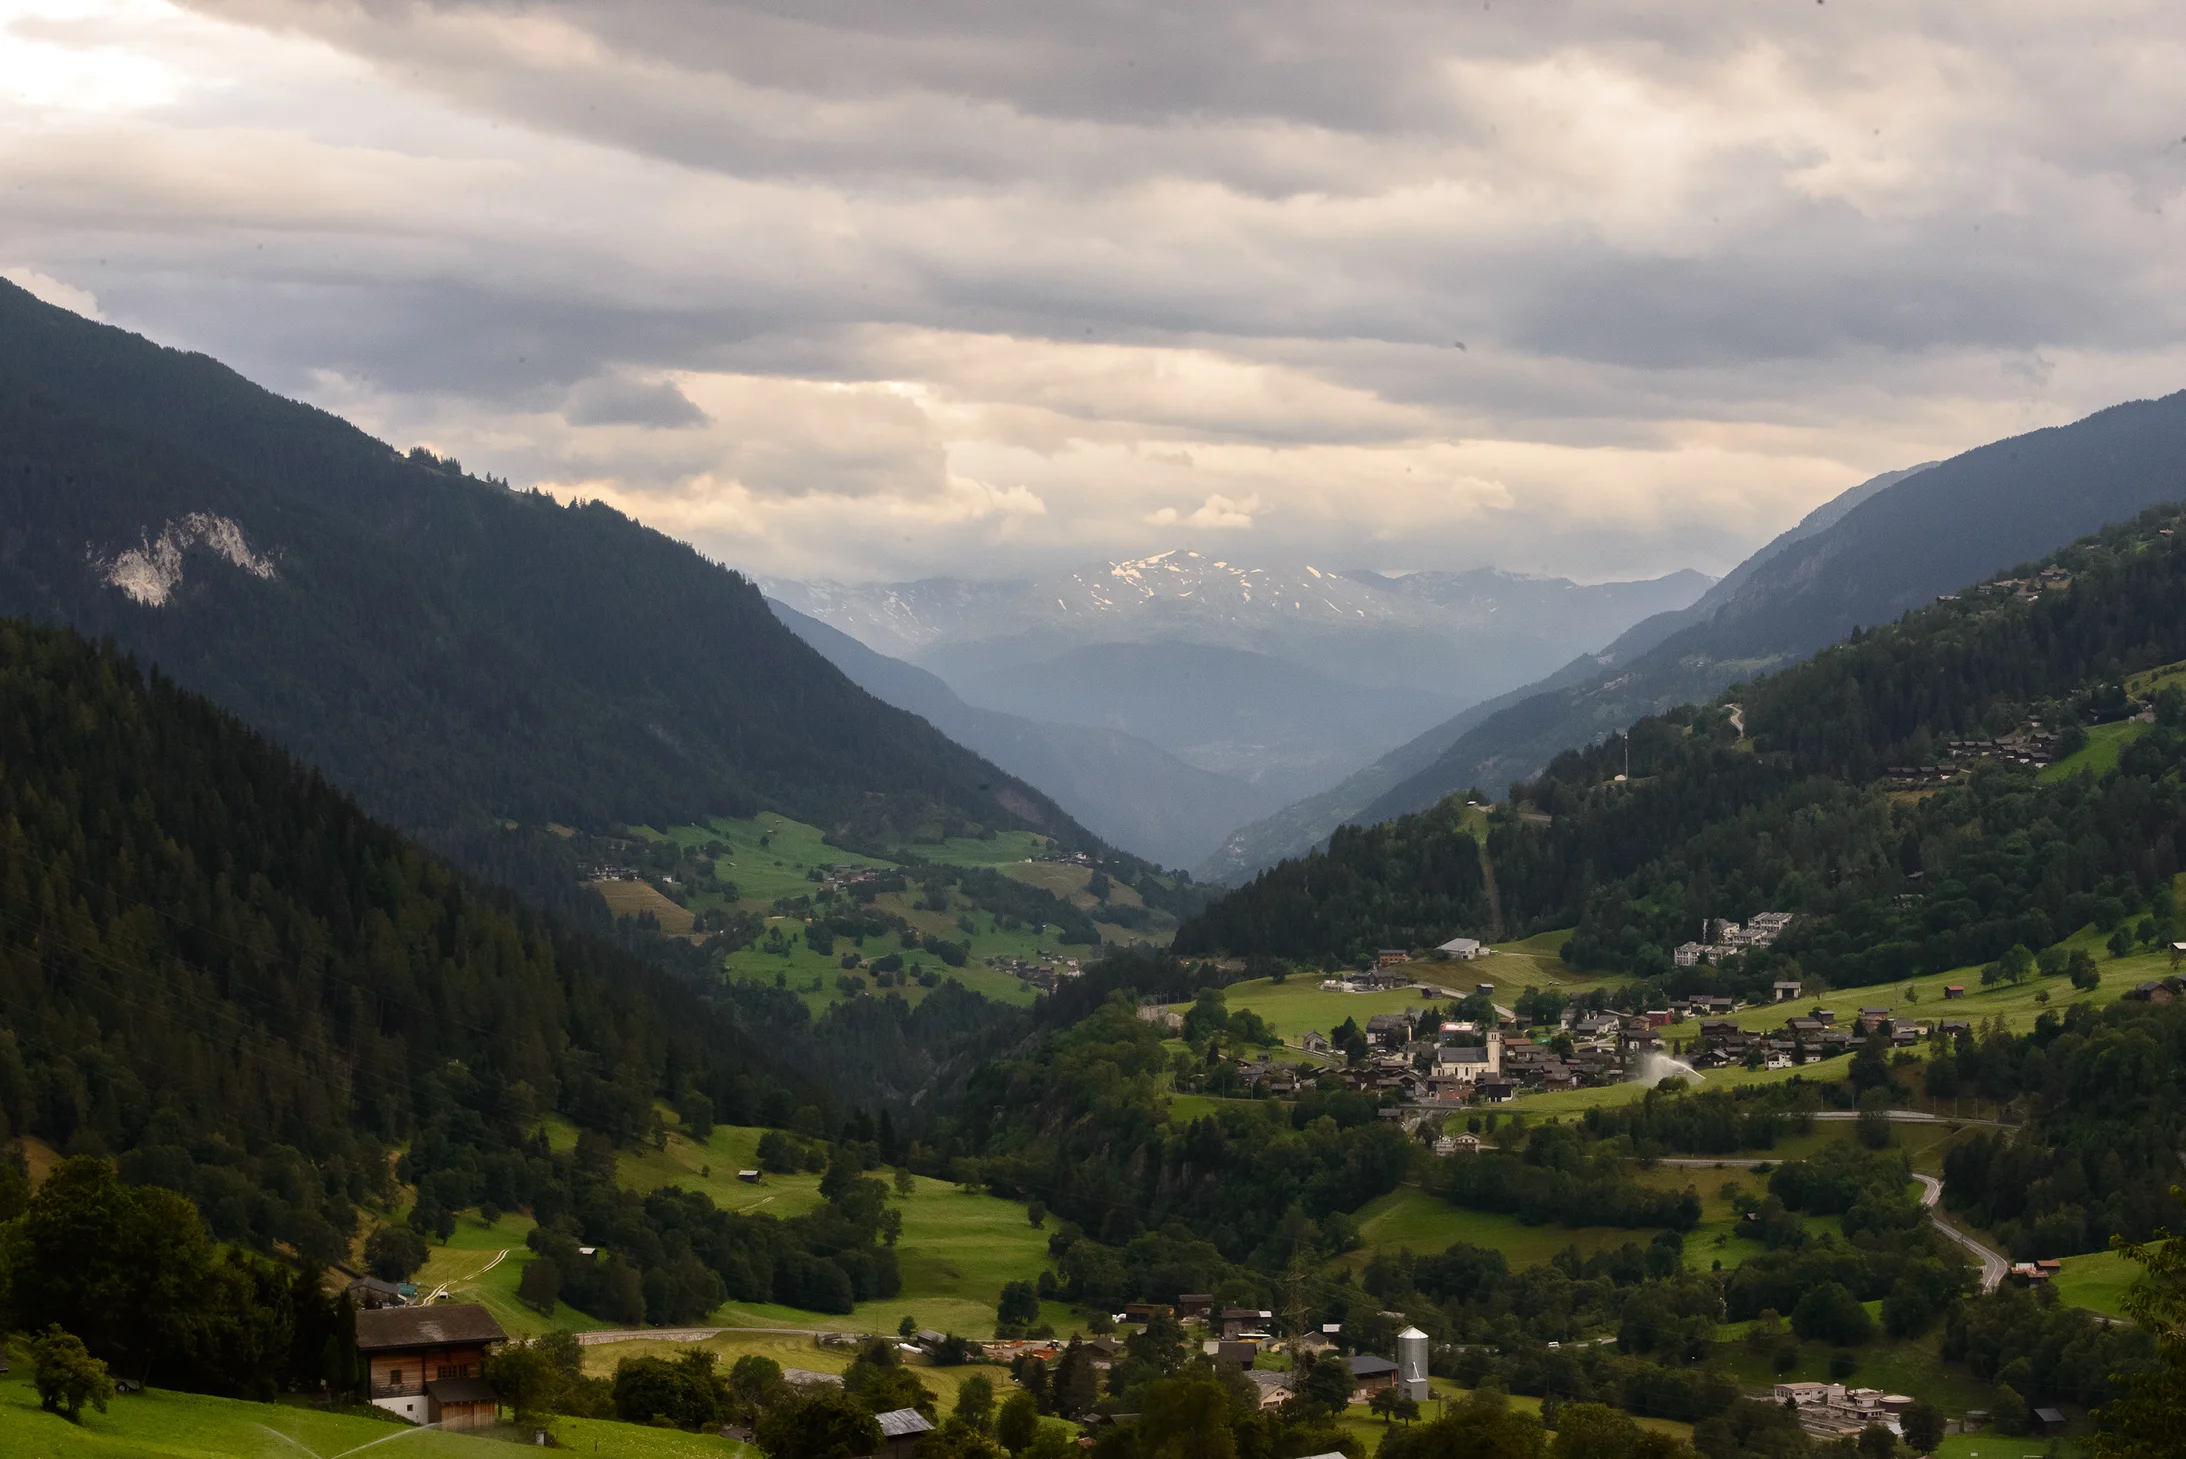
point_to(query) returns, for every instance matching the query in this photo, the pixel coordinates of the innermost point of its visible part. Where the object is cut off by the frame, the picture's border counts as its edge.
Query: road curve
(1993, 1266)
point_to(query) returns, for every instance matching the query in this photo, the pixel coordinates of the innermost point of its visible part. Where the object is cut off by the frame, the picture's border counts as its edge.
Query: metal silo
(1412, 1364)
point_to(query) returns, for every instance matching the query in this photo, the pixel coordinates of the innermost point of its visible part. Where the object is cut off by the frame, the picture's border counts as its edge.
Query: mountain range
(458, 654)
(1276, 681)
(1889, 545)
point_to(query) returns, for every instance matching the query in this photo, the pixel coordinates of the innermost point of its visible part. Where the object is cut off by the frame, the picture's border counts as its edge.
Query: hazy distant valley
(1272, 682)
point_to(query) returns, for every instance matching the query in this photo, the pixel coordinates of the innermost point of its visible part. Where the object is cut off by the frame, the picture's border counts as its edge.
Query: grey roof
(425, 1327)
(1366, 1365)
(902, 1423)
(1267, 1379)
(461, 1390)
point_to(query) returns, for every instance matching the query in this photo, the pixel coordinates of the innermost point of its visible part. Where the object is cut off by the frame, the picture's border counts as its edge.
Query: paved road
(694, 1334)
(1993, 1265)
(1904, 1117)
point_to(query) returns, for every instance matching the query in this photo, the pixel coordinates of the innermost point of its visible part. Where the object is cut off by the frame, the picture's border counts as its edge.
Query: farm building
(428, 1364)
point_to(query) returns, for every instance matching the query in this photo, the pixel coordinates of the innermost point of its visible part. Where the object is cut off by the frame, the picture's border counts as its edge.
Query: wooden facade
(428, 1364)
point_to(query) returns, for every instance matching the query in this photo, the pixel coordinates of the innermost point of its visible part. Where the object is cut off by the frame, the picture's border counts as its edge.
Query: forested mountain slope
(1794, 817)
(1299, 827)
(1889, 544)
(452, 651)
(213, 965)
(1929, 532)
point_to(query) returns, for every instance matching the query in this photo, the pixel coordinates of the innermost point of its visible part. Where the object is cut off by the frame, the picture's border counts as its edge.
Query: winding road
(1993, 1265)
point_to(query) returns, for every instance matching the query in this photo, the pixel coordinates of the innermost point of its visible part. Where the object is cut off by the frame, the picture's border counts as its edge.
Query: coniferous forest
(1776, 798)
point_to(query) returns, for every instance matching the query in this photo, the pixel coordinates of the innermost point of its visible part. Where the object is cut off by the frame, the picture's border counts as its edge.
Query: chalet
(1370, 1375)
(1274, 1387)
(427, 1364)
(749, 1177)
(1495, 1091)
(1785, 992)
(1389, 1030)
(1144, 1311)
(1595, 1025)
(1467, 1144)
(1954, 990)
(901, 1430)
(1236, 1353)
(1237, 1320)
(1389, 957)
(2048, 1421)
(1194, 1304)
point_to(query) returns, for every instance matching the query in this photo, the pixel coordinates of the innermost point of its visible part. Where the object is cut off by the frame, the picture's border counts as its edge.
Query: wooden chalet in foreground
(428, 1364)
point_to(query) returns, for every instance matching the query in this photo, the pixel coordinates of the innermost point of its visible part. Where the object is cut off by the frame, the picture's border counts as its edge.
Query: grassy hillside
(956, 1252)
(158, 1424)
(770, 858)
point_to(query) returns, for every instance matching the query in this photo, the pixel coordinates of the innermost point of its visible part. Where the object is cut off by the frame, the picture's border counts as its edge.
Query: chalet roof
(1366, 1365)
(902, 1423)
(1267, 1380)
(442, 1323)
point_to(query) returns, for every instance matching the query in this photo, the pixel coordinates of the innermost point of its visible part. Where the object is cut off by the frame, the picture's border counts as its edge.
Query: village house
(1389, 1030)
(1274, 1387)
(1235, 1322)
(368, 1292)
(1785, 992)
(427, 1364)
(1832, 1411)
(1389, 957)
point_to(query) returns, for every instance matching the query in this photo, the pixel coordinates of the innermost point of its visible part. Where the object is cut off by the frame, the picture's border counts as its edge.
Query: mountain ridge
(1887, 545)
(452, 651)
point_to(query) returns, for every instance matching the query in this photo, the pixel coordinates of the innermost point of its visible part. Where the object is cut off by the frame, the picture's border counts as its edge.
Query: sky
(860, 289)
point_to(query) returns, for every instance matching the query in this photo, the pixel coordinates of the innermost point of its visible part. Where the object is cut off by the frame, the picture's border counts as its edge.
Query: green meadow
(955, 1253)
(157, 1424)
(2097, 1281)
(770, 857)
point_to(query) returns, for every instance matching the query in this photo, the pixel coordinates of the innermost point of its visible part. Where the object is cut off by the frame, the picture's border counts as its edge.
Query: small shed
(1370, 1375)
(901, 1429)
(2048, 1421)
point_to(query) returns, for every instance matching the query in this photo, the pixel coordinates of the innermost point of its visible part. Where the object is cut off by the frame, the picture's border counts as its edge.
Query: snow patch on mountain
(150, 572)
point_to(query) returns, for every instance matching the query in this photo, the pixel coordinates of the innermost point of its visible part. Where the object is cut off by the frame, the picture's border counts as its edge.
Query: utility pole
(1294, 1310)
